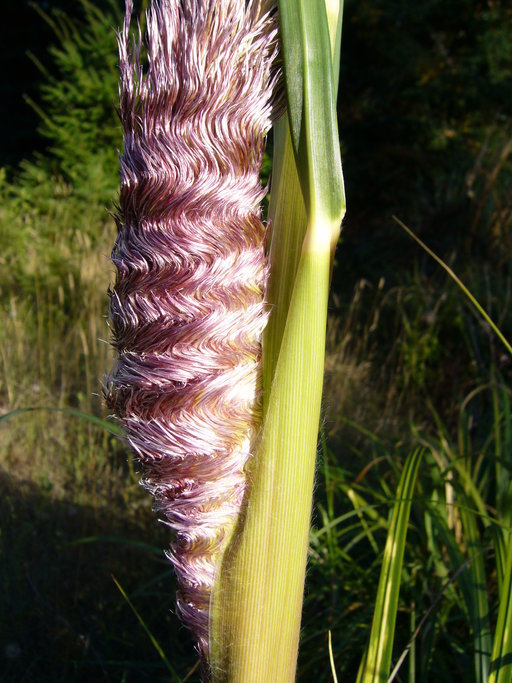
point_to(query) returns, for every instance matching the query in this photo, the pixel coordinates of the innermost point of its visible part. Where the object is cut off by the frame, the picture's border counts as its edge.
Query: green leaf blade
(377, 661)
(501, 658)
(312, 108)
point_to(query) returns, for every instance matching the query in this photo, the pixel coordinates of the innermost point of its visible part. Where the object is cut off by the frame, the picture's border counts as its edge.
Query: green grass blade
(110, 426)
(412, 650)
(445, 453)
(428, 614)
(471, 580)
(380, 645)
(477, 596)
(500, 550)
(174, 676)
(331, 660)
(460, 284)
(502, 427)
(293, 58)
(335, 20)
(316, 534)
(468, 581)
(362, 666)
(307, 56)
(321, 138)
(359, 504)
(501, 658)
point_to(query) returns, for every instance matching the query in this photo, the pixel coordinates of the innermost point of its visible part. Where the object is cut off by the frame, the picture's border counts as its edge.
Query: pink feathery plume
(187, 309)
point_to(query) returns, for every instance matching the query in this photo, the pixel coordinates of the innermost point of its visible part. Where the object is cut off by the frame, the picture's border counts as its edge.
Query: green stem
(257, 603)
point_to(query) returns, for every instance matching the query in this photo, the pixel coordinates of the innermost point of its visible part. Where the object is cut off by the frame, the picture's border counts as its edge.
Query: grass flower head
(187, 309)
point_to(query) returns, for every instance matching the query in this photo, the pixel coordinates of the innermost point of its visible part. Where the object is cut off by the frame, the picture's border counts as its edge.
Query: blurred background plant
(425, 102)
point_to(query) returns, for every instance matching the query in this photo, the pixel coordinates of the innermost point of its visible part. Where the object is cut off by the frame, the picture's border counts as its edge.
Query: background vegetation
(425, 114)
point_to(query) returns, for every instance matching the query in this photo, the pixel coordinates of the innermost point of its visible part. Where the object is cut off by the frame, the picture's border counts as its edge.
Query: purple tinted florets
(187, 309)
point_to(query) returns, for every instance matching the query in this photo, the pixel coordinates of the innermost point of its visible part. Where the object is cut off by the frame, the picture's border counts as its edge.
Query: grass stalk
(257, 601)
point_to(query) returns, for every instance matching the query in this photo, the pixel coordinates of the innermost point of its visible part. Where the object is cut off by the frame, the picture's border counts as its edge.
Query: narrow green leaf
(471, 581)
(325, 190)
(500, 550)
(377, 662)
(359, 504)
(478, 605)
(331, 660)
(152, 638)
(428, 614)
(312, 109)
(412, 650)
(316, 534)
(502, 429)
(501, 658)
(460, 284)
(335, 20)
(111, 427)
(447, 457)
(292, 51)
